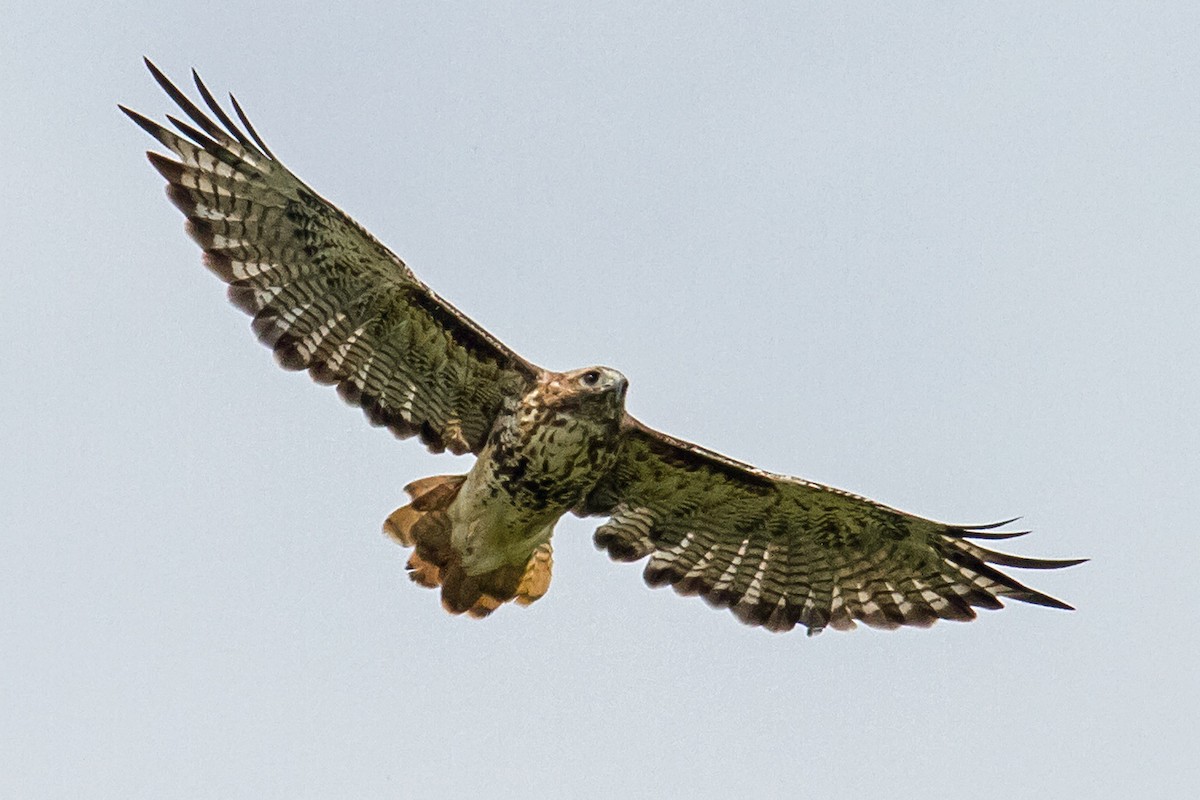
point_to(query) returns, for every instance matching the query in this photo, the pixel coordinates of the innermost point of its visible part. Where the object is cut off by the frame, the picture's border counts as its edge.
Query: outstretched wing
(780, 551)
(324, 293)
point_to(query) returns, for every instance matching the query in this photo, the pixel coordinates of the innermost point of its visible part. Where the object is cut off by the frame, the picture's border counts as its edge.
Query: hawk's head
(595, 391)
(598, 381)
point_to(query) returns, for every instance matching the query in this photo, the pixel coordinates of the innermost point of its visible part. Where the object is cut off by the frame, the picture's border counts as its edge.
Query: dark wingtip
(215, 107)
(987, 531)
(1041, 563)
(1039, 599)
(990, 525)
(190, 131)
(250, 128)
(170, 169)
(160, 77)
(969, 533)
(145, 123)
(1022, 562)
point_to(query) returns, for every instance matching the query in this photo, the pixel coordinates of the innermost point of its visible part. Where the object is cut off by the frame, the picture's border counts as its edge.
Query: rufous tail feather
(425, 526)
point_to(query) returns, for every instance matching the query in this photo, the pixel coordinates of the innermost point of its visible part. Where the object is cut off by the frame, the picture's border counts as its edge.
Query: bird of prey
(329, 298)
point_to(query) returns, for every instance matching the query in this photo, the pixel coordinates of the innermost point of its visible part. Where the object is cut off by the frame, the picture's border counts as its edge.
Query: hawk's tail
(424, 525)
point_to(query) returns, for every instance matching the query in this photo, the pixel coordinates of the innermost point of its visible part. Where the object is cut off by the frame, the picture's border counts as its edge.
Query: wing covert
(780, 551)
(324, 294)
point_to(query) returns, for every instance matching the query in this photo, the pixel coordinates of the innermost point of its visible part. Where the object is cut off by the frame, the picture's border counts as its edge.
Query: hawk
(330, 299)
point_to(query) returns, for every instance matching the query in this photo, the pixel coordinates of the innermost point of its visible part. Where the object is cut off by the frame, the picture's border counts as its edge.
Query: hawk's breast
(549, 457)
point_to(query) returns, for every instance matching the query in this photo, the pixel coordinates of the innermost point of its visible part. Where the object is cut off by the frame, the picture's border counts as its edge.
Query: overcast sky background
(944, 255)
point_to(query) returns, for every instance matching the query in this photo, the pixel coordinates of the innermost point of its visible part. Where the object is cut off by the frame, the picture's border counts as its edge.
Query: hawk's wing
(324, 293)
(780, 551)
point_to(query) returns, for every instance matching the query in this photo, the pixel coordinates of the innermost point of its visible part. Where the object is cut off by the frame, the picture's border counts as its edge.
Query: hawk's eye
(590, 378)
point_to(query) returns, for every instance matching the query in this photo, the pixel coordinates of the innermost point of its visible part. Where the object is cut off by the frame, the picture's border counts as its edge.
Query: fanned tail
(424, 525)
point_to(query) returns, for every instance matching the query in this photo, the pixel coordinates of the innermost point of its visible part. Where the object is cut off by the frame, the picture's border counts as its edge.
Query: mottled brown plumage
(328, 298)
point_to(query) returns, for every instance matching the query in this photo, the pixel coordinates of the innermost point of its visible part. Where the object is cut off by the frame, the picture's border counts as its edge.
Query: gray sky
(941, 254)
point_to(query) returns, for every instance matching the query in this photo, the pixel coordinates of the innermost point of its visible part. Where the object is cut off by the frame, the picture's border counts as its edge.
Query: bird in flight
(330, 299)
